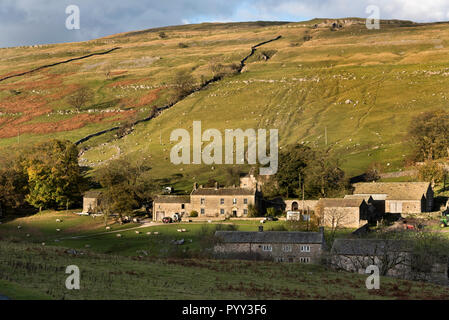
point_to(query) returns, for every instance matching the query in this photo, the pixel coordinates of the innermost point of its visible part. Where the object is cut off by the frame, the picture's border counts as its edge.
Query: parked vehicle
(167, 220)
(444, 221)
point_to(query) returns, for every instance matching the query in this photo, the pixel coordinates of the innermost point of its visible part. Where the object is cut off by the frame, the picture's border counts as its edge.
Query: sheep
(43, 243)
(119, 235)
(156, 233)
(58, 220)
(58, 230)
(108, 228)
(19, 227)
(179, 230)
(148, 233)
(28, 235)
(184, 230)
(137, 232)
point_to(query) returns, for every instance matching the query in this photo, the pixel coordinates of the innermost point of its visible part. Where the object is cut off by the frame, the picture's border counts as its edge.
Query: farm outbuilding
(399, 197)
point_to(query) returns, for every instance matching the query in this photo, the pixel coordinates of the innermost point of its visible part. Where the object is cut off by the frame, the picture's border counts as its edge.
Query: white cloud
(24, 22)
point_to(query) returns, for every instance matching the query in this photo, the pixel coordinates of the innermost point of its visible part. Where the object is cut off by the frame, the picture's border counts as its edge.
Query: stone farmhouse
(348, 213)
(395, 258)
(214, 202)
(398, 197)
(280, 246)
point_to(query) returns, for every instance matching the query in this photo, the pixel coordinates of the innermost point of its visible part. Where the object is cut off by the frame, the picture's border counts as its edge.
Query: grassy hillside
(363, 86)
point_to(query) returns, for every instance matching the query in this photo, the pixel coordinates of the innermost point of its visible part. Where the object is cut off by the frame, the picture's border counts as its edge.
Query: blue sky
(28, 22)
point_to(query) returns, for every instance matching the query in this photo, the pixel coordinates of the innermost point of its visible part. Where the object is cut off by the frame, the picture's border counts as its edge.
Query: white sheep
(19, 227)
(58, 220)
(156, 233)
(119, 235)
(58, 230)
(108, 228)
(179, 230)
(137, 232)
(184, 230)
(148, 233)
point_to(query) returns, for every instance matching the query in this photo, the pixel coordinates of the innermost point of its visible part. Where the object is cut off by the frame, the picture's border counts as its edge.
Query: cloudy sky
(27, 22)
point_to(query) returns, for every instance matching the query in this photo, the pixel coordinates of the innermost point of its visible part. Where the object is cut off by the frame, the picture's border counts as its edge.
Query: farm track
(59, 63)
(203, 86)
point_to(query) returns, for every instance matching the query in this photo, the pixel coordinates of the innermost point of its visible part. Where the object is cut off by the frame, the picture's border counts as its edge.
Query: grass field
(142, 266)
(362, 86)
(87, 233)
(41, 270)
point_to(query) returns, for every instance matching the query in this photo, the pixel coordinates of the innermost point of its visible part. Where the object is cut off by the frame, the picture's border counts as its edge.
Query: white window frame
(267, 248)
(287, 248)
(304, 259)
(305, 248)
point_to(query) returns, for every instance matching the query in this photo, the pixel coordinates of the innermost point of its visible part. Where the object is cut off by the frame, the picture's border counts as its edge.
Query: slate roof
(172, 199)
(356, 247)
(223, 192)
(269, 237)
(92, 194)
(365, 197)
(340, 203)
(394, 190)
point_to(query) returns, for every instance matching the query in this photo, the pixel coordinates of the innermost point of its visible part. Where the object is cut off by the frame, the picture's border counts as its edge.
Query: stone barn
(393, 257)
(280, 246)
(399, 197)
(346, 213)
(92, 202)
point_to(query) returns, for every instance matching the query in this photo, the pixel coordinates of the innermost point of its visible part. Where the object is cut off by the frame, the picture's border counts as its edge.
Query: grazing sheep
(58, 230)
(119, 235)
(28, 235)
(137, 232)
(156, 233)
(58, 220)
(179, 230)
(19, 227)
(108, 228)
(262, 221)
(184, 230)
(148, 233)
(43, 243)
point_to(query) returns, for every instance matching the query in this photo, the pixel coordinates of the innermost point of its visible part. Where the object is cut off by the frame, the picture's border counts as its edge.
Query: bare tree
(80, 98)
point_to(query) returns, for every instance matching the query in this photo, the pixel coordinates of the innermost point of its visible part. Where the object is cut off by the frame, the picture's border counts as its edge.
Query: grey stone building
(280, 246)
(399, 197)
(393, 257)
(92, 202)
